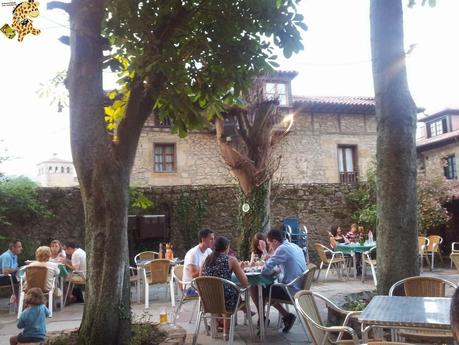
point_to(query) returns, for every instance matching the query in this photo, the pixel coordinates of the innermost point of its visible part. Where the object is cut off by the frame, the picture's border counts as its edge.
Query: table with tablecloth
(352, 248)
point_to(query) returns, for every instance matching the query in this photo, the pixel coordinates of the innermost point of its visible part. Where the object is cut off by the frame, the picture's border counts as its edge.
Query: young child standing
(32, 319)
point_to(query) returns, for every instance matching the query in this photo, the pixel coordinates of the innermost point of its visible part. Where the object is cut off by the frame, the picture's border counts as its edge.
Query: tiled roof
(449, 111)
(288, 75)
(335, 104)
(439, 139)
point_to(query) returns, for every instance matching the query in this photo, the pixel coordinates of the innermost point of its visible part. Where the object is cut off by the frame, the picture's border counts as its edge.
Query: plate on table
(252, 273)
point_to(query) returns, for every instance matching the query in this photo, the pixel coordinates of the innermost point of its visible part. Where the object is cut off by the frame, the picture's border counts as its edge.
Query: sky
(336, 61)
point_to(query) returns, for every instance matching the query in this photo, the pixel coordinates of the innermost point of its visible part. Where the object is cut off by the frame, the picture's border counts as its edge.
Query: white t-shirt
(79, 261)
(194, 257)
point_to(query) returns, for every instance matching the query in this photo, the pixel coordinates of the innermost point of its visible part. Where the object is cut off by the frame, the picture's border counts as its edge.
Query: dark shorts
(277, 293)
(23, 339)
(5, 280)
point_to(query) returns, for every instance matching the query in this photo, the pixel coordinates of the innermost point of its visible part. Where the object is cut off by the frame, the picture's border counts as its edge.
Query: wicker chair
(144, 257)
(454, 251)
(423, 244)
(36, 276)
(177, 275)
(424, 287)
(434, 248)
(366, 259)
(306, 277)
(212, 306)
(318, 332)
(155, 272)
(337, 259)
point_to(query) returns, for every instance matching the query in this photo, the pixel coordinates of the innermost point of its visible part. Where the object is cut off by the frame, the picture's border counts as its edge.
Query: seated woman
(336, 236)
(42, 254)
(260, 248)
(57, 252)
(219, 264)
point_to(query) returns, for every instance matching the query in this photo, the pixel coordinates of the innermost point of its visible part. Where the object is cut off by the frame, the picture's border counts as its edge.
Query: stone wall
(318, 206)
(309, 152)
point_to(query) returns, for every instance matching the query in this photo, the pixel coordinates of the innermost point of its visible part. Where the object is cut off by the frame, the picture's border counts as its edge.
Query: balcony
(348, 176)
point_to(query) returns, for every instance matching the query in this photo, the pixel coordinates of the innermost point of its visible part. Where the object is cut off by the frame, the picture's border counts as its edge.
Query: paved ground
(332, 288)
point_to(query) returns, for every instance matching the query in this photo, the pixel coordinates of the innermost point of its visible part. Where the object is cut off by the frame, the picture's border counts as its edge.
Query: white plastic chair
(454, 250)
(372, 262)
(36, 276)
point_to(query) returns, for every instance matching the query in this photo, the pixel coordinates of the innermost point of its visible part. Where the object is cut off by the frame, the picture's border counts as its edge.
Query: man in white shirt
(195, 257)
(77, 264)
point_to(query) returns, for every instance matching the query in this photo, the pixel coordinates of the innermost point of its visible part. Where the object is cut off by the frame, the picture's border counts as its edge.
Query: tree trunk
(396, 147)
(257, 219)
(104, 180)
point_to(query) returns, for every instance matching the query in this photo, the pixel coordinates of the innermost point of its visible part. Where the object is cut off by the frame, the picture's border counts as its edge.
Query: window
(164, 158)
(347, 164)
(277, 91)
(167, 122)
(449, 168)
(62, 170)
(437, 127)
(68, 170)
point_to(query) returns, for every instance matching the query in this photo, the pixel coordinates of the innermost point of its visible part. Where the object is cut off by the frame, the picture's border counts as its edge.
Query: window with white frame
(164, 158)
(347, 163)
(277, 91)
(437, 127)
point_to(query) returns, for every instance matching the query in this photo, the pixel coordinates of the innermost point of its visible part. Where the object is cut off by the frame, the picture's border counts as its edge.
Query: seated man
(195, 257)
(9, 264)
(77, 264)
(289, 259)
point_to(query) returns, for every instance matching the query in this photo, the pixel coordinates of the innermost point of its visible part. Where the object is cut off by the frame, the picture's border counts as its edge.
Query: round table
(352, 248)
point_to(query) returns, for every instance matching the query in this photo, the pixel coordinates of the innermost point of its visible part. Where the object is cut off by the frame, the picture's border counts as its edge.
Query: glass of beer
(163, 316)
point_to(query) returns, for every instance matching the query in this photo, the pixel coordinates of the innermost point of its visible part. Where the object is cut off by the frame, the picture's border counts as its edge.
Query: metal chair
(155, 272)
(424, 287)
(212, 303)
(306, 279)
(134, 278)
(177, 275)
(10, 285)
(434, 247)
(144, 257)
(337, 259)
(454, 250)
(75, 278)
(366, 259)
(423, 244)
(317, 330)
(36, 276)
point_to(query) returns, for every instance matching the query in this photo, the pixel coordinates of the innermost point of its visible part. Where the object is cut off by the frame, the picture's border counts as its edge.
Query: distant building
(56, 172)
(332, 140)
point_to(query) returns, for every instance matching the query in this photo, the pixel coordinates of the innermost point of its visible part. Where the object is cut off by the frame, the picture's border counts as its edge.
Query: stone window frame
(347, 176)
(163, 163)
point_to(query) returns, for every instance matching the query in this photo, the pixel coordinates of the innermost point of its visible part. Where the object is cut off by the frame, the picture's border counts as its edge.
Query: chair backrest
(147, 255)
(178, 274)
(307, 307)
(455, 259)
(308, 277)
(423, 243)
(434, 239)
(332, 242)
(37, 276)
(422, 287)
(321, 252)
(211, 293)
(159, 271)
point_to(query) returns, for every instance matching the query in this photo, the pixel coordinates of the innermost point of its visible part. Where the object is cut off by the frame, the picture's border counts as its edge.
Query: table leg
(354, 261)
(261, 312)
(171, 288)
(61, 283)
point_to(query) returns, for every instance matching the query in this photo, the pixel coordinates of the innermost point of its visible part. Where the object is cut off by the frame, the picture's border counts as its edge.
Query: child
(32, 319)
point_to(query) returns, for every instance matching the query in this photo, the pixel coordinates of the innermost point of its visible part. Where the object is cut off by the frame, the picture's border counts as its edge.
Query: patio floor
(333, 288)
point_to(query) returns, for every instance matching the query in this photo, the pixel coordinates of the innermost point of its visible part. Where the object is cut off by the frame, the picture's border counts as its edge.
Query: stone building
(56, 172)
(332, 140)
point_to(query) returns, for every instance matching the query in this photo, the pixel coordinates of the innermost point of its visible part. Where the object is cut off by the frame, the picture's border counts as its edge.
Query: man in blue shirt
(288, 258)
(9, 262)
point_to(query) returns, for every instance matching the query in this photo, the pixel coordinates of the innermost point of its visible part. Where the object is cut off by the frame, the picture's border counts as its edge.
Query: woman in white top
(57, 252)
(42, 254)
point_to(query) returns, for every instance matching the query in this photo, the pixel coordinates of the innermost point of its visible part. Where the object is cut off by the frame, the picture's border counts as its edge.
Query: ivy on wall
(190, 216)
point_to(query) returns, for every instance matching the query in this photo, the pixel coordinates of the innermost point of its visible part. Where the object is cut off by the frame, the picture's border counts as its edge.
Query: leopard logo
(22, 18)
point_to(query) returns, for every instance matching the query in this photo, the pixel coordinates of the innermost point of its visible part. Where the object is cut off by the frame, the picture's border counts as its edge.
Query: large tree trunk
(396, 147)
(104, 180)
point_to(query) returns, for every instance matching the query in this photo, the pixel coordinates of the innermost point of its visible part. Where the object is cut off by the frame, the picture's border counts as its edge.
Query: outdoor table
(352, 248)
(260, 280)
(397, 312)
(141, 267)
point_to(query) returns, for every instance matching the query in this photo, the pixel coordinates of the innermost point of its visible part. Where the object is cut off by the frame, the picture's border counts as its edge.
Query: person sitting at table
(336, 236)
(454, 315)
(9, 265)
(42, 255)
(353, 235)
(260, 249)
(220, 264)
(195, 257)
(77, 264)
(57, 252)
(289, 258)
